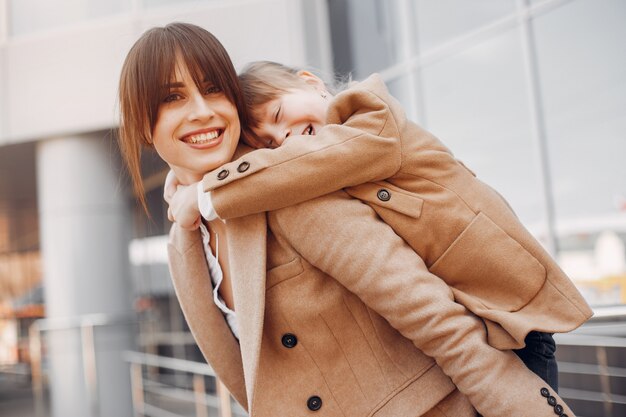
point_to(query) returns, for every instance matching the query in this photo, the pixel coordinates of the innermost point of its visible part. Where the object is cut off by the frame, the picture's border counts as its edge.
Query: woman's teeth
(203, 137)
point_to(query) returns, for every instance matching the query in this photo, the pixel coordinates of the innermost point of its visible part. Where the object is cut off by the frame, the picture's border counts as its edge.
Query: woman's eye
(213, 90)
(171, 97)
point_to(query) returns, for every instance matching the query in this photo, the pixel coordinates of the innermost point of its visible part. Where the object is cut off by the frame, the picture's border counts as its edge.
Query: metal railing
(593, 354)
(86, 324)
(197, 396)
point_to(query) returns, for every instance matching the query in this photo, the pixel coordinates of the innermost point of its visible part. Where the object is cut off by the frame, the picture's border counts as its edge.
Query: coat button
(243, 167)
(383, 195)
(545, 392)
(552, 401)
(222, 174)
(558, 409)
(289, 340)
(314, 403)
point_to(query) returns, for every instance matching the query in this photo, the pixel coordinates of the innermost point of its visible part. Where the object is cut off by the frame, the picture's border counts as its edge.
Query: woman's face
(197, 130)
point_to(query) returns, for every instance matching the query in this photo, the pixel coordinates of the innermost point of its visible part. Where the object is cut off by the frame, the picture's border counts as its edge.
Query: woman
(333, 317)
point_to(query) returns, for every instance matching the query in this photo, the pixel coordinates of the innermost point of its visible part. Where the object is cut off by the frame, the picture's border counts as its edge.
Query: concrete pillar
(84, 238)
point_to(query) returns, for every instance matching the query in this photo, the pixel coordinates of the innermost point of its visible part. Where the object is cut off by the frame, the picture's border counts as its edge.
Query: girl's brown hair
(149, 68)
(264, 81)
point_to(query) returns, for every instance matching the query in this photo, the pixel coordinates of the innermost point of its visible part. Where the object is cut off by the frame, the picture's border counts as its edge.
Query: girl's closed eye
(310, 130)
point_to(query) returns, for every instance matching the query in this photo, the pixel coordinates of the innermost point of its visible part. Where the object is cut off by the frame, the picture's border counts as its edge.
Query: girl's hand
(184, 207)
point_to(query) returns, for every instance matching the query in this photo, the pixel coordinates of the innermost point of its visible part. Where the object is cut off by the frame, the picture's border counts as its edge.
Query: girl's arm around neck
(348, 242)
(361, 144)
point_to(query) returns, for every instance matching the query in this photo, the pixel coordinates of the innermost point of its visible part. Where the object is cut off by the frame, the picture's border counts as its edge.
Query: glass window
(371, 23)
(157, 3)
(476, 103)
(406, 90)
(29, 16)
(439, 21)
(582, 65)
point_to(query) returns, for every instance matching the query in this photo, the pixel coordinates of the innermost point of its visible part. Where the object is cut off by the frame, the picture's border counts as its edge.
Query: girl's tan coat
(464, 231)
(369, 318)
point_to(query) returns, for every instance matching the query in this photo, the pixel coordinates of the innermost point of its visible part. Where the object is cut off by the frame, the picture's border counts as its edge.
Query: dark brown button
(243, 167)
(558, 409)
(545, 392)
(552, 401)
(383, 195)
(222, 174)
(289, 340)
(314, 403)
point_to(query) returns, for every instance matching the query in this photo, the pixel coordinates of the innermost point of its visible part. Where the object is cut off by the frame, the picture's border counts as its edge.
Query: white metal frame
(86, 325)
(221, 400)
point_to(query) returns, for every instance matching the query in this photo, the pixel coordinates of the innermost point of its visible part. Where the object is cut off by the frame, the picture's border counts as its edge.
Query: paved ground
(16, 396)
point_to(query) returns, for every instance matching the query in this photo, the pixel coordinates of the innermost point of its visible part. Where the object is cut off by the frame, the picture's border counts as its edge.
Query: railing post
(199, 390)
(136, 386)
(35, 368)
(605, 381)
(90, 370)
(224, 396)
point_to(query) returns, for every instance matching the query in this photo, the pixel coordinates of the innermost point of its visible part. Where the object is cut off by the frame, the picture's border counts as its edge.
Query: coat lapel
(194, 290)
(247, 249)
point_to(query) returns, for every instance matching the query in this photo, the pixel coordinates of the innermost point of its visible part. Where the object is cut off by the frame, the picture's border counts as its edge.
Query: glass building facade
(529, 94)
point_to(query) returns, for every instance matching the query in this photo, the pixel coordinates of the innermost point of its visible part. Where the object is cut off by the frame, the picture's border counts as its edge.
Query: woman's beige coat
(367, 316)
(462, 229)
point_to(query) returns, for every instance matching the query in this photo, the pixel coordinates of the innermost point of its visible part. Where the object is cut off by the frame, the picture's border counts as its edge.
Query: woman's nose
(200, 109)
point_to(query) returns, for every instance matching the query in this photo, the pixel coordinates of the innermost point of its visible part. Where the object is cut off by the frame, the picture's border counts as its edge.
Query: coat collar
(247, 246)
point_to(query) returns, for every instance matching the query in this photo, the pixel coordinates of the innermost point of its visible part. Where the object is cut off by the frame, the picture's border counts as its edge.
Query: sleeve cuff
(205, 205)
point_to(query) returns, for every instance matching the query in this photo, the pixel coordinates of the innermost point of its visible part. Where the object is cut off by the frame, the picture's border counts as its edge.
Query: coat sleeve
(343, 237)
(361, 145)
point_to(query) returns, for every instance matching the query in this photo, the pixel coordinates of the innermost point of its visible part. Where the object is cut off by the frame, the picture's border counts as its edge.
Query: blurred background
(531, 94)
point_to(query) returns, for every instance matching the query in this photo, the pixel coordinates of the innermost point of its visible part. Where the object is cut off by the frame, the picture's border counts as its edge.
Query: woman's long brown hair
(149, 67)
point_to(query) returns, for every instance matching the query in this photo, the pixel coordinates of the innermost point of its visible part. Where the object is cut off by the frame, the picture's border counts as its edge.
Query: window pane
(582, 64)
(475, 102)
(156, 3)
(28, 16)
(405, 89)
(372, 31)
(439, 21)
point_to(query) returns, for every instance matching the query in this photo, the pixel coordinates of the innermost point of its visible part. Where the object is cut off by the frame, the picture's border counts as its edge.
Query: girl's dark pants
(538, 356)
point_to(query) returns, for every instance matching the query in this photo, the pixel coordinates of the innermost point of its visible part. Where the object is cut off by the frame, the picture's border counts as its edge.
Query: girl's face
(299, 111)
(197, 130)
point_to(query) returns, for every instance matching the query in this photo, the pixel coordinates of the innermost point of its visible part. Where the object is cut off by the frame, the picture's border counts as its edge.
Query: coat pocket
(486, 263)
(386, 195)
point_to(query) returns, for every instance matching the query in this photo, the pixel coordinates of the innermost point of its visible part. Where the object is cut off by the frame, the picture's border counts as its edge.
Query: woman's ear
(312, 80)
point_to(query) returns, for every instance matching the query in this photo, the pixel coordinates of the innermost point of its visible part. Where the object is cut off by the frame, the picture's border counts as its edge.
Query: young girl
(463, 230)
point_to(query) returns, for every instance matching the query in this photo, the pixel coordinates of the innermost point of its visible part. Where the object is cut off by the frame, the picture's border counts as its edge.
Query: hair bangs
(208, 62)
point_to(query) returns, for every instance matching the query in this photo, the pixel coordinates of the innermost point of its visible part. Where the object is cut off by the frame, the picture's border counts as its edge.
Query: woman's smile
(197, 127)
(205, 138)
